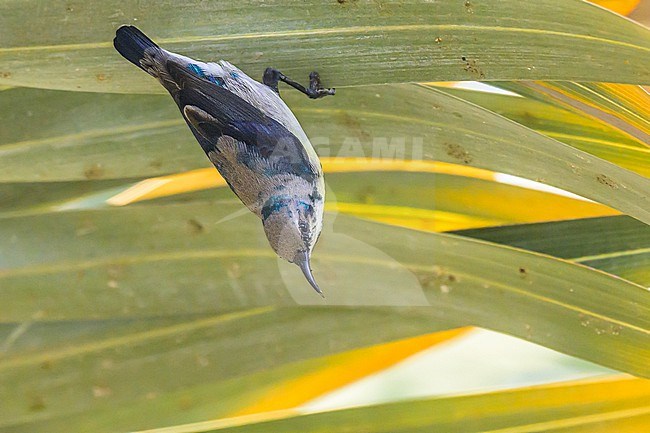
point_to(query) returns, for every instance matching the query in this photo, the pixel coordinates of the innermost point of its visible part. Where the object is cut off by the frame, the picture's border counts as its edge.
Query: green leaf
(74, 375)
(161, 260)
(624, 108)
(406, 193)
(618, 245)
(170, 312)
(350, 43)
(84, 136)
(575, 407)
(571, 127)
(422, 124)
(42, 197)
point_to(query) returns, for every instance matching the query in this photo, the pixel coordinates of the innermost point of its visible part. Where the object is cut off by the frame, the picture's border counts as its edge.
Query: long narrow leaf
(167, 260)
(567, 125)
(421, 123)
(74, 375)
(598, 407)
(618, 245)
(350, 43)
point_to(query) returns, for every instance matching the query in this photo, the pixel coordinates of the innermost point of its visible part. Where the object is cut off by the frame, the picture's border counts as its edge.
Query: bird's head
(292, 225)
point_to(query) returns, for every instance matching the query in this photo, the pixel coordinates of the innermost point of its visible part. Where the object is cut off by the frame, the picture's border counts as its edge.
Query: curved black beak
(302, 260)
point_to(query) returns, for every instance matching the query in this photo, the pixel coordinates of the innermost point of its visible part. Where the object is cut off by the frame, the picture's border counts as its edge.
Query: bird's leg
(315, 90)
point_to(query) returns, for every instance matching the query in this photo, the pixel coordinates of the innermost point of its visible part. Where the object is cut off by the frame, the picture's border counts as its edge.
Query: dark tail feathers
(131, 43)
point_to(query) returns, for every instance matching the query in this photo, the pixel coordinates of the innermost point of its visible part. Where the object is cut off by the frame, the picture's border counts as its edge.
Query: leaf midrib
(213, 253)
(135, 338)
(334, 30)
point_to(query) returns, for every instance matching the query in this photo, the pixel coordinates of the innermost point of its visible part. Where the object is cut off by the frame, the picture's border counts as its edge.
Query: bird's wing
(212, 111)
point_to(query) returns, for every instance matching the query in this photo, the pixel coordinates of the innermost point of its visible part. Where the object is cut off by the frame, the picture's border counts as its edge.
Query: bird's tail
(131, 43)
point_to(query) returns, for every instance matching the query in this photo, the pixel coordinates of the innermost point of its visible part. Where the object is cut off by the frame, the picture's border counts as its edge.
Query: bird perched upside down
(250, 136)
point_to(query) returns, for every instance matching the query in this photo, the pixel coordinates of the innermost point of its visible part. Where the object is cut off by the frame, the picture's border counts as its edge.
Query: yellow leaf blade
(345, 368)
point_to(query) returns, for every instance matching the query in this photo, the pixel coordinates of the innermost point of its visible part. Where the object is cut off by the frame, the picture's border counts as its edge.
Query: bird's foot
(316, 90)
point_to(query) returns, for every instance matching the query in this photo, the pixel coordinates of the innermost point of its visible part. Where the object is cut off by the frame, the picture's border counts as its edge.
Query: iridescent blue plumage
(274, 204)
(202, 74)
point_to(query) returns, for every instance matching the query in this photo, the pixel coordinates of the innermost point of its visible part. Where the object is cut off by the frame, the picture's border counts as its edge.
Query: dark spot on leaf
(102, 77)
(458, 152)
(426, 280)
(195, 226)
(36, 403)
(156, 163)
(607, 181)
(353, 124)
(95, 171)
(367, 195)
(437, 278)
(185, 402)
(472, 66)
(523, 272)
(4, 74)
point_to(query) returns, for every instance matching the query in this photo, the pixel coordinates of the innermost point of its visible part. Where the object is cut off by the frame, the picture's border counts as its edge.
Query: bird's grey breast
(253, 178)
